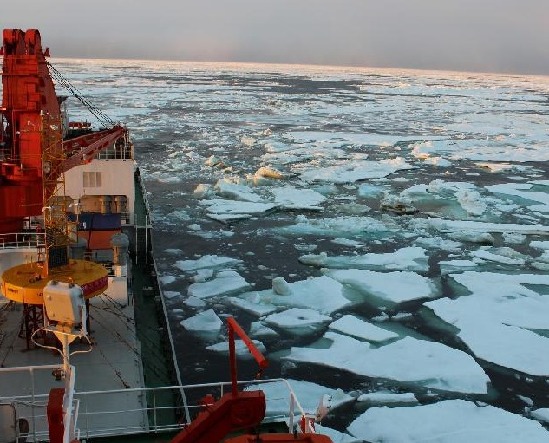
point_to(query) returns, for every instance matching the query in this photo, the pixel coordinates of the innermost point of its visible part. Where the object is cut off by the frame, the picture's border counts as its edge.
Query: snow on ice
(507, 310)
(361, 329)
(451, 421)
(323, 294)
(410, 258)
(428, 364)
(395, 287)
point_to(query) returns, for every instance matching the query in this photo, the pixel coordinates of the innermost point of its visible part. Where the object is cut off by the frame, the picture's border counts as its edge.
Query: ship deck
(112, 363)
(121, 383)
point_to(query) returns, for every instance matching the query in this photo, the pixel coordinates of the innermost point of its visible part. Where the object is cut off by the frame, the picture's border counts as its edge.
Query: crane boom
(33, 152)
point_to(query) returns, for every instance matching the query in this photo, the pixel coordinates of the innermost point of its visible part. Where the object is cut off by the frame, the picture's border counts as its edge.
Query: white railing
(27, 390)
(18, 240)
(101, 413)
(130, 411)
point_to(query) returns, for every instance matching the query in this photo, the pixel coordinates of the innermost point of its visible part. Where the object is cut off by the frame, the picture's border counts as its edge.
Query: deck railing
(18, 240)
(26, 389)
(101, 414)
(131, 411)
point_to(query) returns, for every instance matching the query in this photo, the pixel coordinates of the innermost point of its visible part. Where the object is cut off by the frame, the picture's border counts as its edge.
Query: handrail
(20, 240)
(113, 420)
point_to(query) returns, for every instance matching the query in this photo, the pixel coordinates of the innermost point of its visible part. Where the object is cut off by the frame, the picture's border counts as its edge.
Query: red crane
(237, 410)
(34, 147)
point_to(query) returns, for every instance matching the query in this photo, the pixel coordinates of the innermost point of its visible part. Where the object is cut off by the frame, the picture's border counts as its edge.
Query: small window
(91, 179)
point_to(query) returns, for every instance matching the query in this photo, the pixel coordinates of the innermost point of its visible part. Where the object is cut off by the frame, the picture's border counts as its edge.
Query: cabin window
(91, 179)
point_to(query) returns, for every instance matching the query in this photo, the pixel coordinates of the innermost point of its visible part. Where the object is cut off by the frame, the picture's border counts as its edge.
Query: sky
(504, 36)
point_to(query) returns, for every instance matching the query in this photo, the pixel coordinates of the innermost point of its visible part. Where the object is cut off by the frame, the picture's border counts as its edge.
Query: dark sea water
(303, 119)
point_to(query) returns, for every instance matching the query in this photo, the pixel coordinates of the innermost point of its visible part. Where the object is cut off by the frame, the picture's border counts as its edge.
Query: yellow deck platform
(23, 283)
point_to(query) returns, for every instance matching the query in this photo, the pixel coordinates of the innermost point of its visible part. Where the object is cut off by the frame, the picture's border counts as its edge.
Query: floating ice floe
(251, 302)
(281, 286)
(203, 190)
(543, 245)
(355, 327)
(496, 167)
(386, 398)
(309, 395)
(347, 242)
(247, 141)
(225, 282)
(471, 201)
(174, 251)
(299, 154)
(406, 361)
(438, 161)
(298, 321)
(166, 279)
(194, 302)
(477, 226)
(323, 294)
(350, 172)
(214, 161)
(234, 191)
(541, 414)
(344, 226)
(171, 294)
(203, 322)
(411, 258)
(513, 238)
(226, 210)
(241, 349)
(524, 191)
(397, 204)
(269, 172)
(394, 287)
(448, 266)
(498, 319)
(451, 421)
(438, 243)
(370, 191)
(277, 146)
(206, 261)
(180, 215)
(463, 193)
(508, 298)
(483, 238)
(202, 275)
(290, 197)
(259, 330)
(505, 255)
(495, 150)
(362, 138)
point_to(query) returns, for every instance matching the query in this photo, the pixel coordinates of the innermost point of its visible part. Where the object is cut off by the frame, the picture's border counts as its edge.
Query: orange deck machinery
(37, 145)
(35, 142)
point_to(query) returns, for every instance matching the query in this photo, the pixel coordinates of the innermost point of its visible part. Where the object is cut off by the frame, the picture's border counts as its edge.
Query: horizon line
(309, 65)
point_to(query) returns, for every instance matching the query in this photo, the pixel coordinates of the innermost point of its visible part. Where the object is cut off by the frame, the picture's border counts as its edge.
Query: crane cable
(100, 115)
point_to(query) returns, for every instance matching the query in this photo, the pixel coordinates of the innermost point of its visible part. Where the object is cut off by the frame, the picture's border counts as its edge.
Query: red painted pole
(55, 415)
(232, 360)
(233, 327)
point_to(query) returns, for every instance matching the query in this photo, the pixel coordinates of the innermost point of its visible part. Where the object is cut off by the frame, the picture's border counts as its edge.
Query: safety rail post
(154, 410)
(291, 417)
(31, 370)
(186, 406)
